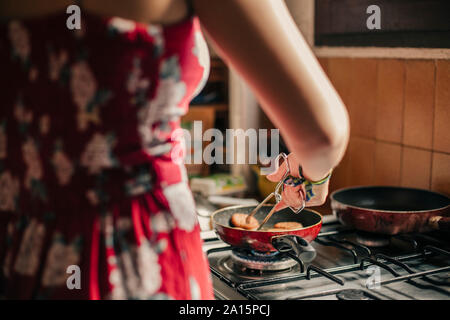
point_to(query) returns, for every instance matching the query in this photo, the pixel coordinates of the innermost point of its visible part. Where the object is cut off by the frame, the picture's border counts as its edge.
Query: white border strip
(382, 52)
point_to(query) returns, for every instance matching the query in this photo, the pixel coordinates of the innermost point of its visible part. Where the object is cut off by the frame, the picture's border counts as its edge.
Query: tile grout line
(400, 144)
(374, 167)
(433, 124)
(403, 121)
(402, 133)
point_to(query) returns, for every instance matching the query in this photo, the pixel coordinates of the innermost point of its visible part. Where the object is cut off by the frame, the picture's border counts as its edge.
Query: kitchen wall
(400, 117)
(399, 105)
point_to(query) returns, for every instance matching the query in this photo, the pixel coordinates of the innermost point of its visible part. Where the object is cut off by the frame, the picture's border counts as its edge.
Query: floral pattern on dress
(86, 95)
(137, 85)
(92, 197)
(28, 258)
(121, 25)
(9, 191)
(23, 116)
(60, 256)
(20, 40)
(148, 268)
(63, 166)
(117, 287)
(44, 124)
(134, 269)
(182, 206)
(56, 64)
(117, 290)
(164, 107)
(33, 74)
(7, 264)
(139, 181)
(98, 153)
(32, 159)
(135, 80)
(141, 271)
(201, 51)
(83, 86)
(194, 288)
(43, 144)
(157, 34)
(33, 178)
(162, 222)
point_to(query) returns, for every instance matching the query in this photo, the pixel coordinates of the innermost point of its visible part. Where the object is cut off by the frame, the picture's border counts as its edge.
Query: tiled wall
(400, 119)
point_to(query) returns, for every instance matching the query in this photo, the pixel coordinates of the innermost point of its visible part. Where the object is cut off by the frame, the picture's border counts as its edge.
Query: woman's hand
(293, 196)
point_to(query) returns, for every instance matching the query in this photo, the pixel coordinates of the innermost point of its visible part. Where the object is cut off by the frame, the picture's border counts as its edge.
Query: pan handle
(294, 244)
(440, 223)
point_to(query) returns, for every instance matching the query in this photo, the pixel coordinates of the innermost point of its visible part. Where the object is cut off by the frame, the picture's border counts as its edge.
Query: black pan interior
(306, 218)
(391, 198)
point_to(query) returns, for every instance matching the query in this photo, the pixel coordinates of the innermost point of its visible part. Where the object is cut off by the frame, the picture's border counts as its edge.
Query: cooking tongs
(286, 180)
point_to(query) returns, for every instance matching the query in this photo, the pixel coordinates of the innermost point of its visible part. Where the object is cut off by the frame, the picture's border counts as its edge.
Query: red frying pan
(269, 241)
(391, 210)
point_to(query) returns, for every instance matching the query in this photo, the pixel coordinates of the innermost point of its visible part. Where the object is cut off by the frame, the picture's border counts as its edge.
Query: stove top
(349, 266)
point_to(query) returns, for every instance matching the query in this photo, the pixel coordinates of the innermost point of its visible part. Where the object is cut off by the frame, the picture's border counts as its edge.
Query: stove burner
(263, 255)
(354, 294)
(272, 261)
(372, 240)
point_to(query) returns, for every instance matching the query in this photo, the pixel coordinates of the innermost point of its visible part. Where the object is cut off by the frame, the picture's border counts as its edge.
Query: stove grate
(393, 258)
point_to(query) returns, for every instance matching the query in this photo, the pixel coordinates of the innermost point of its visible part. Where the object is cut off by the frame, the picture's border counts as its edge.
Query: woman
(91, 204)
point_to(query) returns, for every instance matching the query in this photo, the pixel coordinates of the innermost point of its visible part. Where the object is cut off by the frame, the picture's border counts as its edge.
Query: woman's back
(87, 173)
(86, 123)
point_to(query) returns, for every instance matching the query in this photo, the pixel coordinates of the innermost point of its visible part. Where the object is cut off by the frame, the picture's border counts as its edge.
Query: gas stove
(349, 265)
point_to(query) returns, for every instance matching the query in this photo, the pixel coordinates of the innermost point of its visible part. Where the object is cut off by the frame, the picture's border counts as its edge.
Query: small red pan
(269, 241)
(391, 210)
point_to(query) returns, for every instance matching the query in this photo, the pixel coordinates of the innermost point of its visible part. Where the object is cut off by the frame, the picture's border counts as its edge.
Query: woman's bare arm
(259, 39)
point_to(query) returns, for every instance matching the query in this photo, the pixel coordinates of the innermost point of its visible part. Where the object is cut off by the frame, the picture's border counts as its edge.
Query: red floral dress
(88, 186)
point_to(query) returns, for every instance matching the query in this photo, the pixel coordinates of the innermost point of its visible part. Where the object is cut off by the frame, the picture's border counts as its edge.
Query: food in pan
(239, 220)
(288, 225)
(274, 230)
